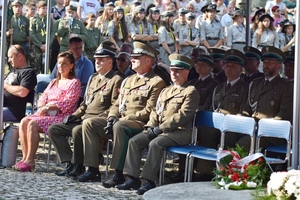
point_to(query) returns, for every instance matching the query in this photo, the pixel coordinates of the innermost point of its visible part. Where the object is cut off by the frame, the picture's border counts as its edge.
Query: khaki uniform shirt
(135, 29)
(232, 100)
(21, 29)
(137, 97)
(165, 36)
(275, 100)
(236, 34)
(37, 31)
(211, 29)
(100, 94)
(94, 39)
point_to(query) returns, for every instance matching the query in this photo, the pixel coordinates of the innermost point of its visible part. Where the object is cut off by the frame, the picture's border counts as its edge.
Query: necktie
(141, 29)
(120, 30)
(172, 34)
(19, 24)
(228, 86)
(43, 28)
(266, 82)
(190, 34)
(155, 28)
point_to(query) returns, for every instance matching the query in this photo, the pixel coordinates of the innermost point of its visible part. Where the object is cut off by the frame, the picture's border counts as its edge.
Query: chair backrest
(41, 86)
(207, 119)
(274, 128)
(43, 77)
(239, 124)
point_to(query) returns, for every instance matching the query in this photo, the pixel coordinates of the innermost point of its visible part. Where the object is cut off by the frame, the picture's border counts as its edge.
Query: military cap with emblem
(111, 4)
(273, 53)
(139, 9)
(212, 7)
(251, 52)
(266, 15)
(204, 7)
(15, 2)
(183, 11)
(179, 61)
(154, 10)
(256, 12)
(282, 22)
(190, 15)
(207, 59)
(235, 56)
(289, 56)
(237, 13)
(137, 2)
(216, 53)
(288, 23)
(105, 51)
(141, 48)
(71, 7)
(118, 9)
(167, 13)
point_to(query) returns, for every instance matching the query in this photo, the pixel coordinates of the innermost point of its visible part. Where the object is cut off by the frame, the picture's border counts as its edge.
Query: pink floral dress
(65, 98)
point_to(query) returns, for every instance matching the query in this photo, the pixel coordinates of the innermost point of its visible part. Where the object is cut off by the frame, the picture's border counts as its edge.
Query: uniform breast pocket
(105, 95)
(141, 97)
(273, 100)
(176, 104)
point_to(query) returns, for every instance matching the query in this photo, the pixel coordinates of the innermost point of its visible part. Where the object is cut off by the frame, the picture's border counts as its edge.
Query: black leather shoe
(148, 185)
(90, 176)
(77, 171)
(116, 180)
(130, 184)
(178, 177)
(66, 172)
(101, 159)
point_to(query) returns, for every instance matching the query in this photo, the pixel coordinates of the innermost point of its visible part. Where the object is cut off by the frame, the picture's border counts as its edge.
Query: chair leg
(107, 156)
(162, 168)
(45, 141)
(186, 169)
(49, 151)
(191, 167)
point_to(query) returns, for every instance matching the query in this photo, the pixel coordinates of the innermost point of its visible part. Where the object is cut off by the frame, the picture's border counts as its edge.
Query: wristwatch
(47, 106)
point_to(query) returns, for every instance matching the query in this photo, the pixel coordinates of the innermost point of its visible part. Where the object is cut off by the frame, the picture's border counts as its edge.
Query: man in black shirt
(17, 85)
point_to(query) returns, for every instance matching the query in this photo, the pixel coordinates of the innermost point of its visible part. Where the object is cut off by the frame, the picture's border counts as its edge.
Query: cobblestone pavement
(41, 184)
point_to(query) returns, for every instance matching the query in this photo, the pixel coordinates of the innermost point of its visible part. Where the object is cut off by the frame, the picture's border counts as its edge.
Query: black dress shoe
(116, 180)
(77, 171)
(90, 176)
(66, 172)
(178, 177)
(101, 159)
(130, 184)
(148, 185)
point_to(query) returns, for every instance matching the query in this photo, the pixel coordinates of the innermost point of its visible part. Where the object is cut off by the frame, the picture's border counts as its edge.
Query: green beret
(179, 61)
(141, 48)
(235, 56)
(71, 7)
(207, 59)
(251, 52)
(216, 53)
(270, 52)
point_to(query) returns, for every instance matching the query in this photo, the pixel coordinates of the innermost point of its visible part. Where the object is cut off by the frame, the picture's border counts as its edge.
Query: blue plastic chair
(276, 129)
(202, 118)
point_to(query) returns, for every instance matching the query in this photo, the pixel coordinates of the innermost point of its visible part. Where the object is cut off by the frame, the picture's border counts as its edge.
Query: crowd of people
(154, 67)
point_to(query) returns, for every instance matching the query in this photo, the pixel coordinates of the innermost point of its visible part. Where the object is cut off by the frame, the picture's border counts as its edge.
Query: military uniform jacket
(64, 32)
(137, 97)
(275, 100)
(99, 95)
(232, 100)
(94, 39)
(175, 110)
(205, 89)
(220, 77)
(37, 31)
(255, 75)
(21, 29)
(211, 29)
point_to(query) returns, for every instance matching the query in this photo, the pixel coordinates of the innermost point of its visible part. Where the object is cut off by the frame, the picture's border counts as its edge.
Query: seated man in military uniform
(169, 125)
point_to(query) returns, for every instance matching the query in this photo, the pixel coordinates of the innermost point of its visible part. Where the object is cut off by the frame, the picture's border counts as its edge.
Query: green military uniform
(64, 30)
(101, 93)
(55, 45)
(270, 98)
(218, 54)
(37, 33)
(92, 43)
(137, 98)
(173, 114)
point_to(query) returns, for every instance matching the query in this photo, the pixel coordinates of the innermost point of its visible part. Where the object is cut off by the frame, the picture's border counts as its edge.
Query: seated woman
(57, 101)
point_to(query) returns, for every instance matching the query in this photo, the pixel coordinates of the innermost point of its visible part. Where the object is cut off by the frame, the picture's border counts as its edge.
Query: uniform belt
(212, 38)
(168, 45)
(239, 43)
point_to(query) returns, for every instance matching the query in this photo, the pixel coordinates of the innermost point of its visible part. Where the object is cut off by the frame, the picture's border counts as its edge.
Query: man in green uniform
(270, 96)
(19, 27)
(102, 91)
(37, 33)
(138, 95)
(169, 125)
(70, 27)
(218, 71)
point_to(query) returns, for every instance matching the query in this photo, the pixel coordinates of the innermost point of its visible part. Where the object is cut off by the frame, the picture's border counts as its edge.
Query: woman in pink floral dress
(58, 100)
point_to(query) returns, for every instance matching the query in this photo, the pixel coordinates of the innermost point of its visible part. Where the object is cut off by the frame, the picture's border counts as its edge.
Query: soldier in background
(289, 64)
(251, 68)
(123, 59)
(218, 71)
(138, 96)
(19, 28)
(70, 27)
